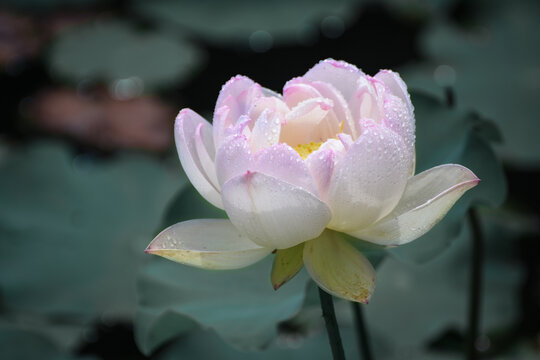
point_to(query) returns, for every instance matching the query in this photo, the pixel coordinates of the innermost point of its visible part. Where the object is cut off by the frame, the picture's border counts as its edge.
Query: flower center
(305, 149)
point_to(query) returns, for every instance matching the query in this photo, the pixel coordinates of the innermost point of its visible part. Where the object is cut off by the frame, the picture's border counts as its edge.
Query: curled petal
(341, 108)
(426, 200)
(267, 103)
(339, 268)
(220, 124)
(208, 243)
(396, 85)
(341, 75)
(308, 122)
(273, 213)
(233, 158)
(238, 93)
(270, 93)
(206, 152)
(283, 163)
(185, 135)
(295, 92)
(369, 180)
(346, 140)
(365, 101)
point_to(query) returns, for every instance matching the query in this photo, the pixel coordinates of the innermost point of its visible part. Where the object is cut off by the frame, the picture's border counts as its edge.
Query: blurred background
(89, 174)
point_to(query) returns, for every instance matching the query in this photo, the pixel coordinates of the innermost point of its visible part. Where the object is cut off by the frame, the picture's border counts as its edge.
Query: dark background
(76, 143)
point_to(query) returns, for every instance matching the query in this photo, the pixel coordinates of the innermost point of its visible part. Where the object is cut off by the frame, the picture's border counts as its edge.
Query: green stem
(361, 329)
(327, 306)
(476, 285)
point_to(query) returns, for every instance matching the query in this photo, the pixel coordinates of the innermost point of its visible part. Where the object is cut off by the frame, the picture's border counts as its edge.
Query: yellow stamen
(305, 149)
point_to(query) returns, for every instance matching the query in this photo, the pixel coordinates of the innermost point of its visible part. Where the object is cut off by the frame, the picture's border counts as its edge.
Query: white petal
(204, 144)
(270, 93)
(399, 119)
(266, 130)
(273, 213)
(267, 103)
(308, 122)
(341, 108)
(219, 124)
(365, 101)
(426, 200)
(208, 243)
(341, 75)
(295, 92)
(238, 93)
(339, 268)
(283, 163)
(321, 166)
(185, 127)
(233, 158)
(369, 181)
(396, 85)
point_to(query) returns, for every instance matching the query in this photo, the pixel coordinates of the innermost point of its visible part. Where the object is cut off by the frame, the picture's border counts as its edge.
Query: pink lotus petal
(205, 151)
(295, 93)
(267, 103)
(399, 119)
(266, 130)
(233, 158)
(185, 128)
(341, 75)
(341, 108)
(308, 122)
(283, 163)
(364, 103)
(369, 180)
(273, 213)
(396, 85)
(321, 166)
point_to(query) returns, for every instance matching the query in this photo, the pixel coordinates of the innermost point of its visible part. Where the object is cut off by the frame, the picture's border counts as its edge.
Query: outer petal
(283, 163)
(369, 181)
(206, 152)
(233, 158)
(396, 86)
(426, 200)
(208, 243)
(338, 268)
(185, 127)
(341, 75)
(399, 119)
(273, 213)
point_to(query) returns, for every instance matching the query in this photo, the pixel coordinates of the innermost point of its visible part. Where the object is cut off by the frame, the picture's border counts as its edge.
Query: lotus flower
(307, 173)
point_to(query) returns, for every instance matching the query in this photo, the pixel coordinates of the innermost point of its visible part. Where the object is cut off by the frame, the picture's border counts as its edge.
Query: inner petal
(310, 121)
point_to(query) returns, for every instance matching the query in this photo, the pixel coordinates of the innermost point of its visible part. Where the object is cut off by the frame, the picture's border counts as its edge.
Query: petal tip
(278, 285)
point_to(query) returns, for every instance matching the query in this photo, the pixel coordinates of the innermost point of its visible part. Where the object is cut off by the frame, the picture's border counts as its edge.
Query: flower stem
(476, 285)
(361, 329)
(327, 306)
